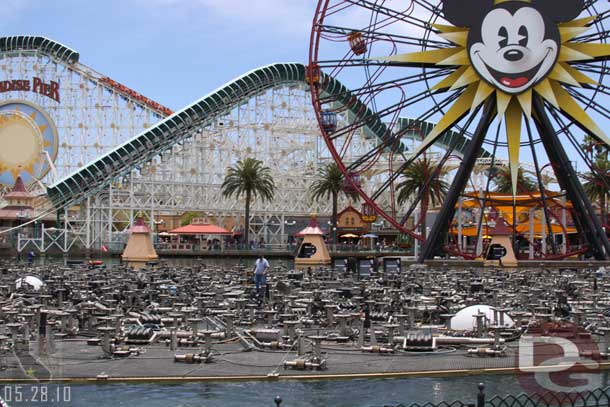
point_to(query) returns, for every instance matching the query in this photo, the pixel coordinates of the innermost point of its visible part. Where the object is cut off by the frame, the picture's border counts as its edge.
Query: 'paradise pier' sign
(36, 85)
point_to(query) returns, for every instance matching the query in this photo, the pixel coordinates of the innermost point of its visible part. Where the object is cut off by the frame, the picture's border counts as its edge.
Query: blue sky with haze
(172, 51)
(177, 51)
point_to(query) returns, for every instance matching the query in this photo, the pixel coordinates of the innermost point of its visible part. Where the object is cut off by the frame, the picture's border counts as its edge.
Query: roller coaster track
(181, 125)
(98, 174)
(41, 44)
(63, 54)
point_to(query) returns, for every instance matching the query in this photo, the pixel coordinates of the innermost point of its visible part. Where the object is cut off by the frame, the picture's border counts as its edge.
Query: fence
(595, 398)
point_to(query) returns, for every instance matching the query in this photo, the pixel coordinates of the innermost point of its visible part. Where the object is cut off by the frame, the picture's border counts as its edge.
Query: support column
(460, 212)
(416, 242)
(88, 243)
(564, 222)
(532, 213)
(590, 225)
(66, 231)
(132, 203)
(543, 230)
(441, 225)
(110, 218)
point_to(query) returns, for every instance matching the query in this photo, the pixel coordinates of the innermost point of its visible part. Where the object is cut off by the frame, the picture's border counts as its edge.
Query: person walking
(260, 270)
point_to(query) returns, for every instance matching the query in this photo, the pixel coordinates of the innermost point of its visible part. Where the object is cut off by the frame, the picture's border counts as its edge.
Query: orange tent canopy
(524, 229)
(205, 229)
(525, 201)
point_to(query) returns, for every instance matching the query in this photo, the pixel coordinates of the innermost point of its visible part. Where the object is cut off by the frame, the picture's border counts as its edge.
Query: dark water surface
(347, 393)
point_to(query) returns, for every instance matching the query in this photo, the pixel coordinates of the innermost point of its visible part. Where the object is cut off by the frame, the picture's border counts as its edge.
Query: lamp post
(157, 224)
(289, 225)
(21, 215)
(333, 230)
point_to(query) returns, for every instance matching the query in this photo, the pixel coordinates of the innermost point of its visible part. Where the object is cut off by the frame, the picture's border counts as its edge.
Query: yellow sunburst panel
(510, 107)
(22, 143)
(29, 141)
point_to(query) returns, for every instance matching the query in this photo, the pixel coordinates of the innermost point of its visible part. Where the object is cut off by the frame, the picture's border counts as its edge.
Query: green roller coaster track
(142, 148)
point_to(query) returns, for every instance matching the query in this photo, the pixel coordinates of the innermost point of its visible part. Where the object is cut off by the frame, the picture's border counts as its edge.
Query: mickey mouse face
(515, 44)
(516, 51)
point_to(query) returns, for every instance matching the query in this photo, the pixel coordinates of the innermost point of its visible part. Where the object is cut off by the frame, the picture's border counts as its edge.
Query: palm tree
(329, 184)
(594, 149)
(251, 178)
(595, 186)
(423, 178)
(503, 180)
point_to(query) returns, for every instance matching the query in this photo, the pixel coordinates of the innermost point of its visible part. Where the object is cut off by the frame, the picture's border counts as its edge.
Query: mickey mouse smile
(515, 80)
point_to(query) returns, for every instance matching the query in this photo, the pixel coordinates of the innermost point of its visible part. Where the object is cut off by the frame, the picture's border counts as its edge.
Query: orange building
(350, 222)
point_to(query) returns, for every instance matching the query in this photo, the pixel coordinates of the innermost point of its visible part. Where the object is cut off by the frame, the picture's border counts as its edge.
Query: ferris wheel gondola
(505, 80)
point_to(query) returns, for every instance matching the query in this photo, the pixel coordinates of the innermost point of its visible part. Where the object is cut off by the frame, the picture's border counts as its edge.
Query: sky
(177, 51)
(172, 51)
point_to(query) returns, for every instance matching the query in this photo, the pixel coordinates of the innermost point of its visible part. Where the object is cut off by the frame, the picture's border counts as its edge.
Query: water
(347, 393)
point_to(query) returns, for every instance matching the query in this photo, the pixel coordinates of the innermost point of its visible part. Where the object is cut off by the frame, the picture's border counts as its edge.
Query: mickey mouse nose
(513, 55)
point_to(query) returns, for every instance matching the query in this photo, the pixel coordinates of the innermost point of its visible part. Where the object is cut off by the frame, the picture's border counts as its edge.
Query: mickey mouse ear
(466, 13)
(560, 11)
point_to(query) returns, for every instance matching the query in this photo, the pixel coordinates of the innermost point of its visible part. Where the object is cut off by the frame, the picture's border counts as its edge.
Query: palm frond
(502, 179)
(329, 181)
(249, 175)
(414, 179)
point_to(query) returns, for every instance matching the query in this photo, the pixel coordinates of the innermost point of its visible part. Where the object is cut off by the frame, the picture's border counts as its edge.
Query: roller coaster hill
(86, 155)
(110, 154)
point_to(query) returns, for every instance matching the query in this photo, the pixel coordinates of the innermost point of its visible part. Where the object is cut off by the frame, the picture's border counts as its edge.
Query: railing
(346, 250)
(191, 247)
(596, 398)
(340, 247)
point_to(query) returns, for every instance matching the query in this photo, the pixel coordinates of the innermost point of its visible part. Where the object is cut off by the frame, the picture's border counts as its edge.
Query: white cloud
(276, 16)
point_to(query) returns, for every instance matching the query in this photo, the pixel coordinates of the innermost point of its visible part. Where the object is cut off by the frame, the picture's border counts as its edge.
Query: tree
(503, 180)
(329, 184)
(251, 178)
(594, 149)
(595, 185)
(423, 178)
(188, 217)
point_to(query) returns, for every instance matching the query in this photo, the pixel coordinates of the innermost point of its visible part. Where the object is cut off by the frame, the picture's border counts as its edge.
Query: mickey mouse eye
(503, 34)
(523, 36)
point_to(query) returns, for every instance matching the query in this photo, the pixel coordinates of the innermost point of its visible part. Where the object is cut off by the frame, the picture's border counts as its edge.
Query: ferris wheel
(509, 81)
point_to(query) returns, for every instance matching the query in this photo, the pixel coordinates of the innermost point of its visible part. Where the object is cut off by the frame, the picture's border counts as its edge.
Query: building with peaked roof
(312, 250)
(501, 247)
(140, 249)
(20, 207)
(350, 222)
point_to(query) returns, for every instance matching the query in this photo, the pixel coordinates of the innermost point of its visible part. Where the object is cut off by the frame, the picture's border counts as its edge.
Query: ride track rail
(133, 153)
(42, 44)
(71, 57)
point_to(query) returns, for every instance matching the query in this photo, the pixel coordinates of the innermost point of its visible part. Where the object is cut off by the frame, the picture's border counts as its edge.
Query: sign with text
(36, 85)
